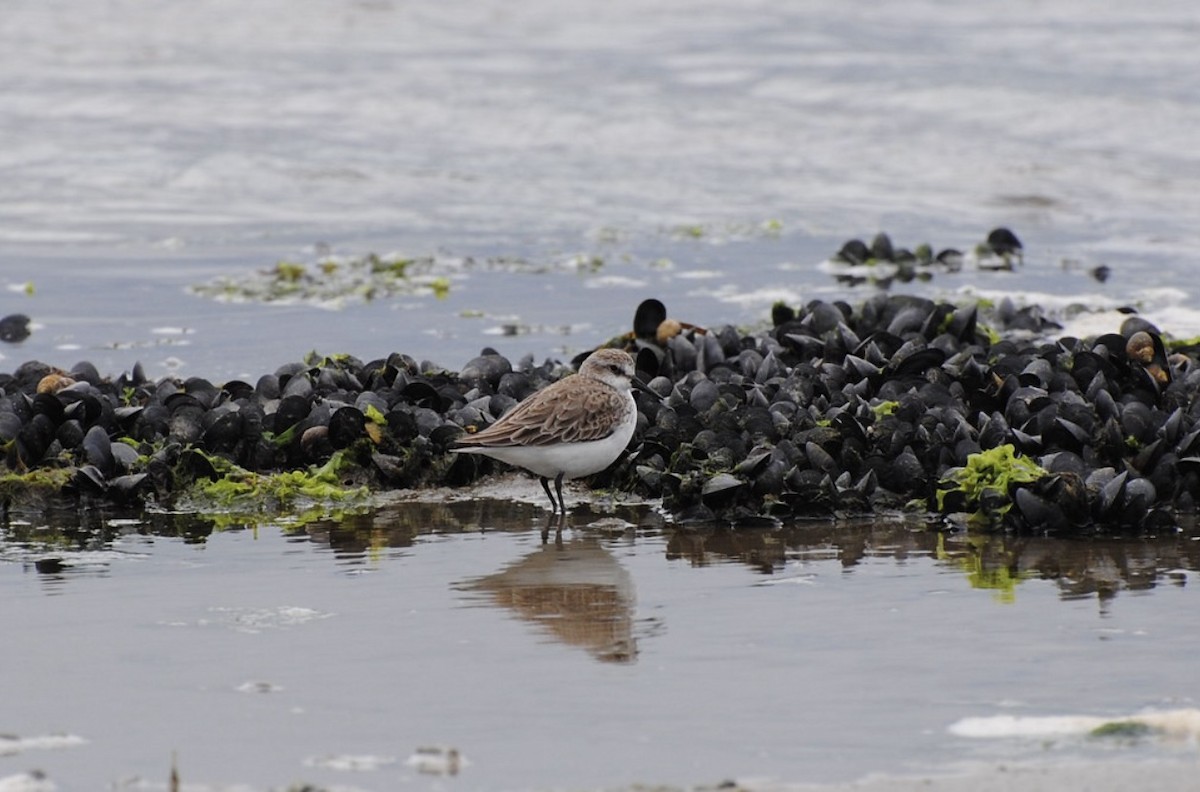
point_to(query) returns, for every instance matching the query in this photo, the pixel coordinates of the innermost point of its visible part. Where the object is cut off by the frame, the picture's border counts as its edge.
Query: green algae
(395, 267)
(332, 281)
(236, 489)
(37, 484)
(318, 360)
(1178, 344)
(884, 408)
(771, 228)
(1127, 729)
(290, 272)
(986, 480)
(993, 337)
(374, 415)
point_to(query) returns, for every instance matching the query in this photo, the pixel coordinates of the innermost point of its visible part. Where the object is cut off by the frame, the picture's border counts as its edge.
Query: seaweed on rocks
(898, 403)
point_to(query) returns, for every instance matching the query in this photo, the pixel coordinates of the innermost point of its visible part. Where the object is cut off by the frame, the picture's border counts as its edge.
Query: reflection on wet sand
(68, 543)
(575, 591)
(1081, 567)
(361, 536)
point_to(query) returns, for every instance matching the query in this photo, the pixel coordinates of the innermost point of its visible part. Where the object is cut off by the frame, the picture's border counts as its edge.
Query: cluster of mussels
(841, 411)
(883, 264)
(831, 411)
(131, 439)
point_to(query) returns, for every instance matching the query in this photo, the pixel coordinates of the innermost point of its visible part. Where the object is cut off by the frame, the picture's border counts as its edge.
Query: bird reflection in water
(574, 591)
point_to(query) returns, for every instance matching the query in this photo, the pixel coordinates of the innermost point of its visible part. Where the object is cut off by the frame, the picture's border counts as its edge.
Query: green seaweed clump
(984, 483)
(885, 408)
(1126, 729)
(334, 280)
(238, 489)
(34, 485)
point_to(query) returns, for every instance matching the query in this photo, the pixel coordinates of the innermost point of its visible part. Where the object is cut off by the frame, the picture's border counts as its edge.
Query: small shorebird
(572, 428)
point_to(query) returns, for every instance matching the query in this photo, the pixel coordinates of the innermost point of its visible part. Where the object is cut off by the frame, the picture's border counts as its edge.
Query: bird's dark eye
(614, 368)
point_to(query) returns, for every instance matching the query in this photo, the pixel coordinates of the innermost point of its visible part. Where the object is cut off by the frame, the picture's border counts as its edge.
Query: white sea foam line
(437, 760)
(1162, 295)
(1175, 724)
(607, 281)
(14, 745)
(34, 781)
(1167, 307)
(359, 763)
(746, 299)
(255, 620)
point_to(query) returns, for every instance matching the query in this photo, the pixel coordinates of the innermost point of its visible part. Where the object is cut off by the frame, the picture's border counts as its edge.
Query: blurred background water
(707, 153)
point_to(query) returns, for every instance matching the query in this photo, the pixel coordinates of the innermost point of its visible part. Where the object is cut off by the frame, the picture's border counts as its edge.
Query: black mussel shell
(854, 251)
(291, 411)
(1003, 242)
(223, 431)
(346, 425)
(649, 315)
(97, 450)
(14, 327)
(881, 248)
(486, 368)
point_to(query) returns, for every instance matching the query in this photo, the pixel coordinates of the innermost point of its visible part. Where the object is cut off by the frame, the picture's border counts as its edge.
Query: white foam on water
(1089, 314)
(352, 763)
(1178, 724)
(256, 620)
(11, 744)
(764, 297)
(35, 781)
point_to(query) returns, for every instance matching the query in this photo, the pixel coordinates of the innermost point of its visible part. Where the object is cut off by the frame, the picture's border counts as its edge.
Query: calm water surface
(628, 652)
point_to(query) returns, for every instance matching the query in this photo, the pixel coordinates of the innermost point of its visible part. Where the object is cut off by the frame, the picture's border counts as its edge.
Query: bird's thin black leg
(550, 495)
(562, 504)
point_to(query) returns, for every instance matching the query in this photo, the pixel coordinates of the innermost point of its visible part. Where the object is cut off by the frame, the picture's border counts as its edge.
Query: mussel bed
(899, 403)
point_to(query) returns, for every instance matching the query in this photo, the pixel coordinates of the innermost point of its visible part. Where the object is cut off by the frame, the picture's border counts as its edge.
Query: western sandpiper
(573, 428)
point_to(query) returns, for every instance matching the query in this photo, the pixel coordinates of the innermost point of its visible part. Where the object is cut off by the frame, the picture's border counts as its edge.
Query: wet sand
(1101, 776)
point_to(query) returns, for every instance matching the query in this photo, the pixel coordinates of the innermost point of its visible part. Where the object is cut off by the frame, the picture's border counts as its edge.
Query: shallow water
(628, 652)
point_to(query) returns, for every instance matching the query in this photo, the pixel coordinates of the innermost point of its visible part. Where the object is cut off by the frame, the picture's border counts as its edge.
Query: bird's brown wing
(549, 417)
